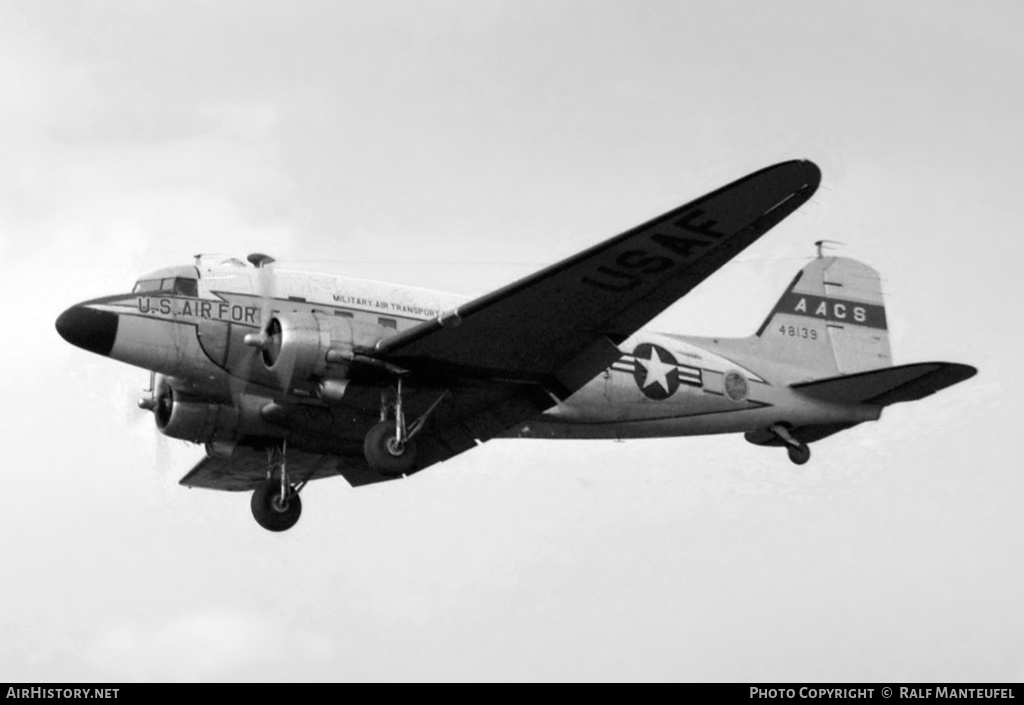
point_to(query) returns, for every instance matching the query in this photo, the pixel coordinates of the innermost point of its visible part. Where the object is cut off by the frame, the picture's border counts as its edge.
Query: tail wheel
(272, 511)
(385, 453)
(799, 454)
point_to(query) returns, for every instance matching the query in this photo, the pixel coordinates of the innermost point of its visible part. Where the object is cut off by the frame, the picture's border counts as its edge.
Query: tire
(378, 447)
(799, 455)
(268, 510)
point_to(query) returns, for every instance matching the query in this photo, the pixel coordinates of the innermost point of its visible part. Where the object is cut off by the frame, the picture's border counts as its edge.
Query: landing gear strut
(797, 450)
(388, 448)
(275, 502)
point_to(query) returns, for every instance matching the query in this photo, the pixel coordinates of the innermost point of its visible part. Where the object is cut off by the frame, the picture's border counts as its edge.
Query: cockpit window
(147, 286)
(183, 286)
(186, 287)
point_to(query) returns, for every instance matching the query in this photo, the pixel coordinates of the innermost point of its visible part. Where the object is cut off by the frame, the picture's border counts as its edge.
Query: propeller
(267, 340)
(163, 398)
(159, 400)
(272, 347)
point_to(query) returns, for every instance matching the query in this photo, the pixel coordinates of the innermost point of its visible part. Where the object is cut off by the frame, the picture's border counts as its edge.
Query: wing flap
(890, 385)
(477, 415)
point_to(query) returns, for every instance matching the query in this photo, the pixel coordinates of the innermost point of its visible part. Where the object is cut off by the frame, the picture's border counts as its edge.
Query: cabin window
(388, 323)
(344, 314)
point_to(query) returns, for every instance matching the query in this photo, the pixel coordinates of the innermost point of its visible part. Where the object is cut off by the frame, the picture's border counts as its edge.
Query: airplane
(287, 377)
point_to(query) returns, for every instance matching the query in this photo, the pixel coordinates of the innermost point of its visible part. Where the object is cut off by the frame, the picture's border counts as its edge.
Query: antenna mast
(822, 245)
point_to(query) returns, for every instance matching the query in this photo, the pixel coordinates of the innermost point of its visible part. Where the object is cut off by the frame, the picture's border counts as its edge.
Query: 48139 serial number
(796, 332)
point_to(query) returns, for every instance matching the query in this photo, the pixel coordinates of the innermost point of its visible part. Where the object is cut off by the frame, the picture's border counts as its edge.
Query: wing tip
(803, 170)
(795, 181)
(959, 372)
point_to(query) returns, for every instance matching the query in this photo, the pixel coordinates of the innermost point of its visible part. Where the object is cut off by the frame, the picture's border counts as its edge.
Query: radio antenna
(822, 245)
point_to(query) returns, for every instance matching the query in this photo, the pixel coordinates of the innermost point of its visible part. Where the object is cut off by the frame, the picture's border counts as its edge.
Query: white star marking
(657, 370)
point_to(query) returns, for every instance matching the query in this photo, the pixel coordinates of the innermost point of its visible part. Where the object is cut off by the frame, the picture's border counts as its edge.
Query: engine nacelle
(294, 349)
(202, 421)
(199, 422)
(293, 352)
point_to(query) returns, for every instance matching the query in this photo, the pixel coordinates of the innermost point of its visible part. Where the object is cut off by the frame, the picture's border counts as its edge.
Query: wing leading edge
(560, 326)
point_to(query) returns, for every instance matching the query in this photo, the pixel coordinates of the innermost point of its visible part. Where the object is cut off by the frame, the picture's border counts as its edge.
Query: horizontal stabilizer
(889, 385)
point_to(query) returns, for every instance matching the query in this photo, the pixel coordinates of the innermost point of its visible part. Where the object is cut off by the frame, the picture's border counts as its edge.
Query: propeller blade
(262, 340)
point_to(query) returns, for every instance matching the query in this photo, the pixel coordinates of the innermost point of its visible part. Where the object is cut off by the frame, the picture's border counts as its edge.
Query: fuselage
(187, 323)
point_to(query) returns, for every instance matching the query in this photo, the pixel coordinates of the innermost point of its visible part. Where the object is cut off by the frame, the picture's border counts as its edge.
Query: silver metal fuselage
(663, 385)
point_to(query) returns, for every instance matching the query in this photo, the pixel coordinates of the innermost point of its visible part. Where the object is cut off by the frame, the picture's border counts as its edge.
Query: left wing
(511, 354)
(560, 326)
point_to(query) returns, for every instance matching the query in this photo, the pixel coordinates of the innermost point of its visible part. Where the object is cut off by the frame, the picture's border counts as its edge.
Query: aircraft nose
(88, 328)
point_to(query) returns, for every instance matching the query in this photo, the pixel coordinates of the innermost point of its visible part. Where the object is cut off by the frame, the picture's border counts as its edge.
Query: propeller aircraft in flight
(288, 377)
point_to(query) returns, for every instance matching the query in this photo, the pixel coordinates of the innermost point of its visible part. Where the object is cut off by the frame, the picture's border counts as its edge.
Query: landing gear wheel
(385, 454)
(271, 511)
(799, 454)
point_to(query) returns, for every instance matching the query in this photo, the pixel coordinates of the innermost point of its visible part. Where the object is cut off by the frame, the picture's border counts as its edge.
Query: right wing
(246, 468)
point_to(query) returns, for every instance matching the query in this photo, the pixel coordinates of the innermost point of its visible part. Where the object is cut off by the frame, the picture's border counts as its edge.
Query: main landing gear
(797, 450)
(275, 502)
(389, 447)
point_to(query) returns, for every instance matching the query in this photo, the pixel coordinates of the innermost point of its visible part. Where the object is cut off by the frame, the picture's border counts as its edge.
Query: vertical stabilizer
(830, 320)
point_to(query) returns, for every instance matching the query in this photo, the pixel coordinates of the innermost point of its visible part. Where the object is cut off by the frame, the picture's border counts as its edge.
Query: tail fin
(831, 319)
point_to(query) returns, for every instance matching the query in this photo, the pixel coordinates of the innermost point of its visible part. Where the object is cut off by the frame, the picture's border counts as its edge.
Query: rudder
(830, 320)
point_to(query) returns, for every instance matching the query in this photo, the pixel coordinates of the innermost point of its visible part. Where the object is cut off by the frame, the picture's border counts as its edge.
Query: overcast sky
(459, 145)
